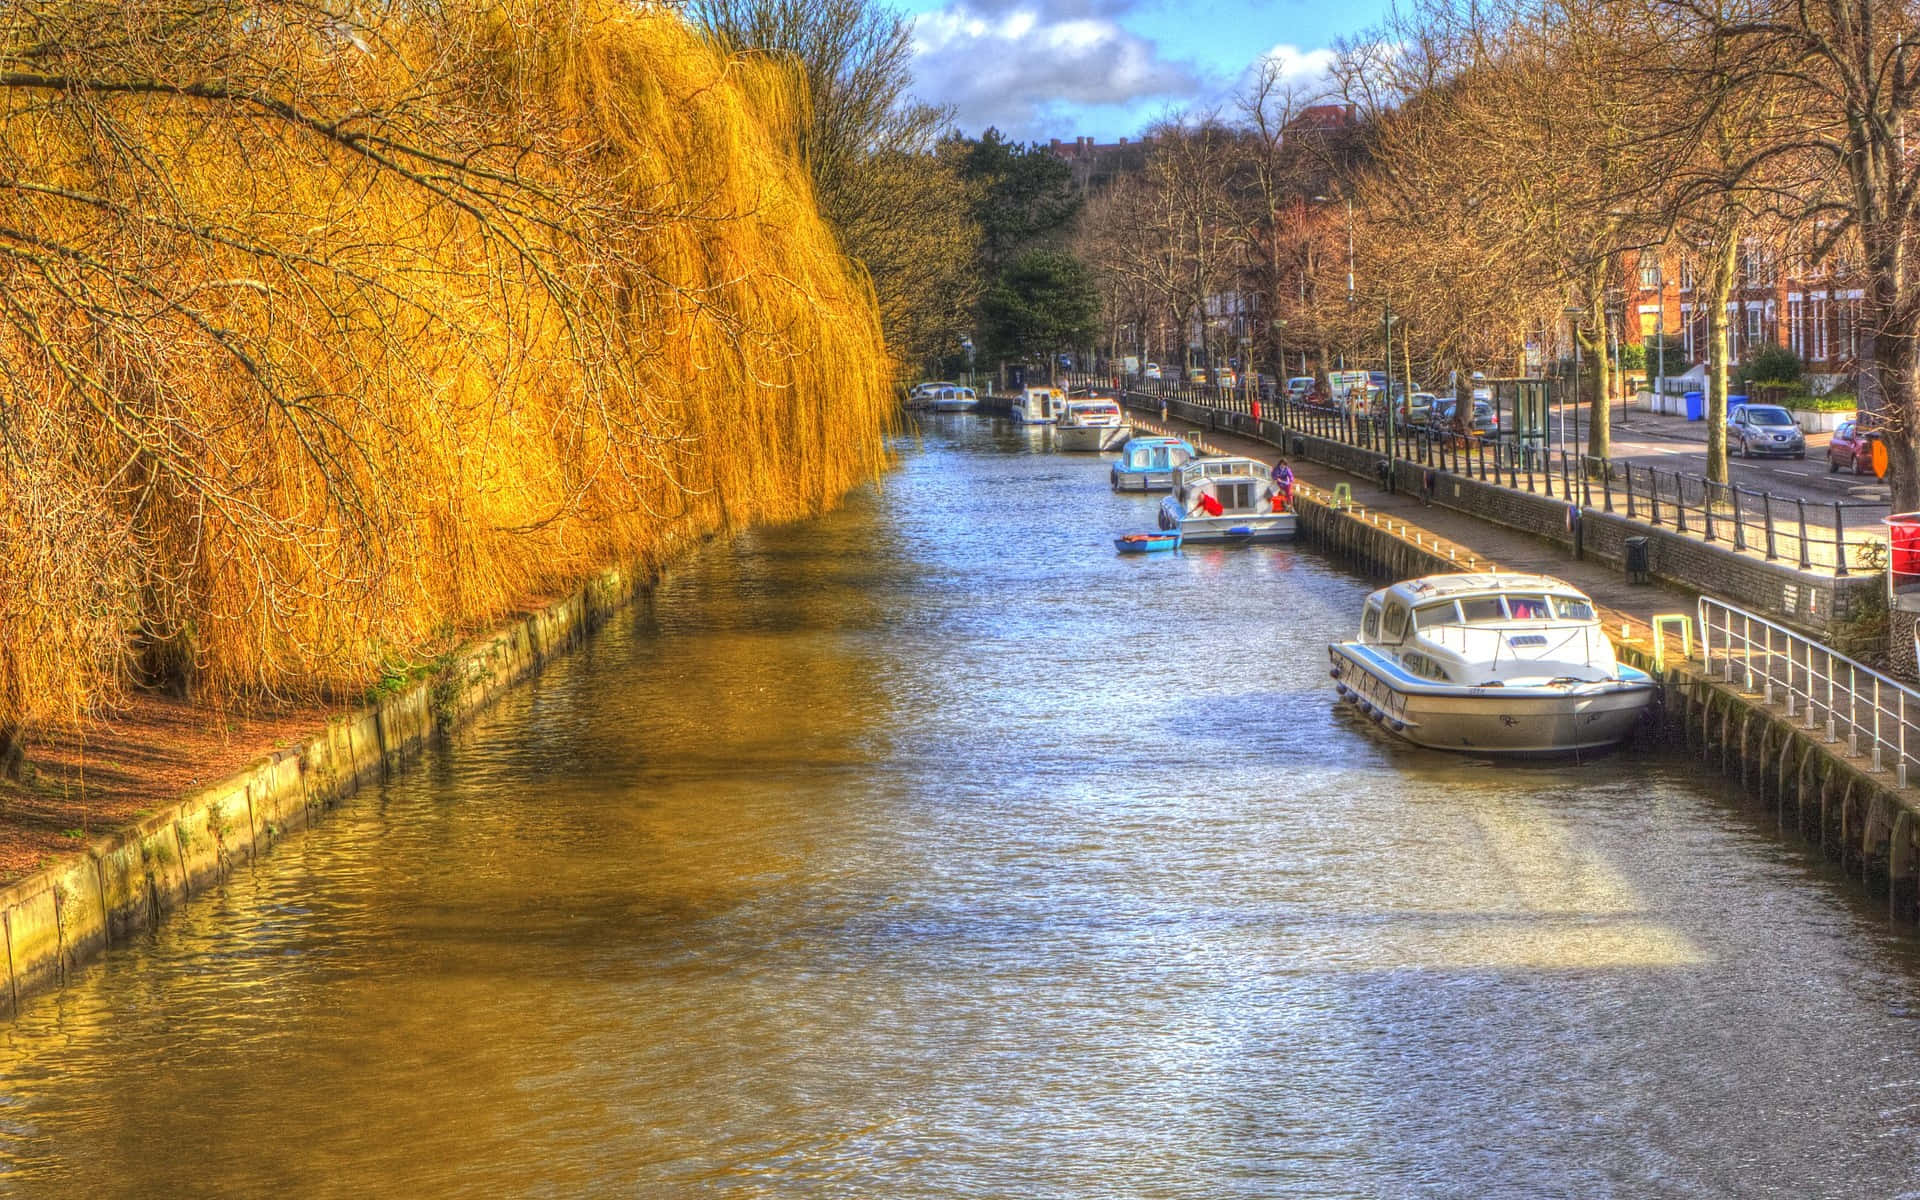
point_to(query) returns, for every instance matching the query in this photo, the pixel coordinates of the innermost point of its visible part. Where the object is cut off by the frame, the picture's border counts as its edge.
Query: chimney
(1123, 141)
(1056, 143)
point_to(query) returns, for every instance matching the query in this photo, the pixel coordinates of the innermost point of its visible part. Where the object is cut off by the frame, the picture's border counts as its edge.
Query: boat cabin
(1240, 485)
(1489, 629)
(1039, 405)
(1092, 413)
(1155, 454)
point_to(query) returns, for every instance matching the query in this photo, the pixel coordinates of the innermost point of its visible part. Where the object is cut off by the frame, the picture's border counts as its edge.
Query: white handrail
(1823, 689)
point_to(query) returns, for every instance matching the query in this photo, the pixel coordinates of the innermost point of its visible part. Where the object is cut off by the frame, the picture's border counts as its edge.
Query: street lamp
(1349, 203)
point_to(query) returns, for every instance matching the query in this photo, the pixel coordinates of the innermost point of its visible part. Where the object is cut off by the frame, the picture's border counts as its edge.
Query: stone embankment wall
(57, 919)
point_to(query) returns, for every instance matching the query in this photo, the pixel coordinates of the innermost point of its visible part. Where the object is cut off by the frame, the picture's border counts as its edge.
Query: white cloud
(1023, 66)
(1294, 65)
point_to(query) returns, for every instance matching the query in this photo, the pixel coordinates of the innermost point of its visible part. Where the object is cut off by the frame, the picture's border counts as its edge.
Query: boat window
(1370, 624)
(1482, 608)
(1442, 612)
(1424, 667)
(1235, 495)
(1570, 609)
(1395, 622)
(1529, 608)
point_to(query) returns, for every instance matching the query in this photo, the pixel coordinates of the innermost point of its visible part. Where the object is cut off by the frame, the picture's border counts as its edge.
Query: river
(931, 849)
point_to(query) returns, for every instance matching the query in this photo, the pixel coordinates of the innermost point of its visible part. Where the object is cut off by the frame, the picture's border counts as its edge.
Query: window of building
(1756, 325)
(1650, 277)
(1796, 336)
(1686, 274)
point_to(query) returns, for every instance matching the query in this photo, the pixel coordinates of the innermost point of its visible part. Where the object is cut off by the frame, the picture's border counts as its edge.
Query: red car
(1852, 446)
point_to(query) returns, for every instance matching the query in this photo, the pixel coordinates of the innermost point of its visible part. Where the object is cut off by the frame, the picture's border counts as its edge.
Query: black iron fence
(1829, 536)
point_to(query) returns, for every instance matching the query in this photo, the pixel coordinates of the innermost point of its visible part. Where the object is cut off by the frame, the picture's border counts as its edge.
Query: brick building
(1780, 298)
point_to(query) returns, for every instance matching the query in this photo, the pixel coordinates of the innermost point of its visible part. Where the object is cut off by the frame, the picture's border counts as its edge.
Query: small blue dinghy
(1146, 543)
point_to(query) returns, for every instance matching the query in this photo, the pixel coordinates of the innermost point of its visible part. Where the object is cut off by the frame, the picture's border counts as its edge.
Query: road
(1673, 444)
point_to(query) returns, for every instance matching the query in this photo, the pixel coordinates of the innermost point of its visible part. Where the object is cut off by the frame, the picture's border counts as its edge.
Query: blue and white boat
(1147, 464)
(1494, 663)
(1146, 543)
(1227, 500)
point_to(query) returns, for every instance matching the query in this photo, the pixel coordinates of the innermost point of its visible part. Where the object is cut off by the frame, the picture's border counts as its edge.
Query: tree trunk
(1893, 371)
(1719, 288)
(1600, 412)
(12, 756)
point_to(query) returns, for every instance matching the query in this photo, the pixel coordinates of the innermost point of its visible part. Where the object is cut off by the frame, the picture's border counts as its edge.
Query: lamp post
(1349, 203)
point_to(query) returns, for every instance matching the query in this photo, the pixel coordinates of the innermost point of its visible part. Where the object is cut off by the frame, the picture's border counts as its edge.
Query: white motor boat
(1227, 499)
(1038, 406)
(923, 393)
(955, 399)
(1091, 425)
(1494, 663)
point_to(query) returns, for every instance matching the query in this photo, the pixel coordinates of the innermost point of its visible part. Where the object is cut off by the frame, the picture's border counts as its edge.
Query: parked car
(1151, 371)
(1225, 380)
(1299, 387)
(1852, 446)
(1419, 409)
(1197, 376)
(1483, 421)
(1765, 429)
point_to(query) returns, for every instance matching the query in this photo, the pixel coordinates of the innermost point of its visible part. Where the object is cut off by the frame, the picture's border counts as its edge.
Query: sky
(1040, 69)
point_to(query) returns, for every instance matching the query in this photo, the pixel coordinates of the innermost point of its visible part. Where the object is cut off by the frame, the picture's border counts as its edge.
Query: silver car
(1765, 429)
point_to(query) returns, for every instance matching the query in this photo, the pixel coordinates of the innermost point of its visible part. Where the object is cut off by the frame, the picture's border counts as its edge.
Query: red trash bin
(1903, 547)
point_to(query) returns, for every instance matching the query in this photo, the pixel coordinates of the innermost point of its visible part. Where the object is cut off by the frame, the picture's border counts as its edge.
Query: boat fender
(1397, 726)
(1333, 673)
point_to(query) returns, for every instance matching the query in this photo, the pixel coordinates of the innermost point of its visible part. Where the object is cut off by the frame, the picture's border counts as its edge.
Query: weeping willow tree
(328, 329)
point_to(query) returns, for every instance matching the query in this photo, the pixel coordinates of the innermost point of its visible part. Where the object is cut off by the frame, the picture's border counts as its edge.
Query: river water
(931, 849)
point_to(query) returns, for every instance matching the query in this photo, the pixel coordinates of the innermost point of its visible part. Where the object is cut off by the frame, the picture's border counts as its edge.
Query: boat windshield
(1571, 609)
(1529, 608)
(1475, 609)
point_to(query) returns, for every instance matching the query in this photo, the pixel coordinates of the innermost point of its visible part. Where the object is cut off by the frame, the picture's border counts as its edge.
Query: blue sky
(1107, 68)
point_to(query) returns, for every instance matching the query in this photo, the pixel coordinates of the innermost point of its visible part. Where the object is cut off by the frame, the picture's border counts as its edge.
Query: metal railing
(1834, 537)
(1823, 689)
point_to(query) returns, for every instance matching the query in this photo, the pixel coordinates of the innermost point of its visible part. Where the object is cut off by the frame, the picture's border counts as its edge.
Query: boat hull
(1146, 543)
(1231, 529)
(1090, 438)
(1517, 720)
(1142, 481)
(953, 406)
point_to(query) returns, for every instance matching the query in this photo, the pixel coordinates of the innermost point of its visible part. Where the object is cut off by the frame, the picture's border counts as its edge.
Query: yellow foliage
(496, 296)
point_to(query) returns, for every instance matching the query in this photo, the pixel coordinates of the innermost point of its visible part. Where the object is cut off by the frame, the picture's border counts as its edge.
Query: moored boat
(1229, 500)
(1493, 662)
(955, 399)
(1090, 425)
(1038, 406)
(1147, 464)
(1146, 543)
